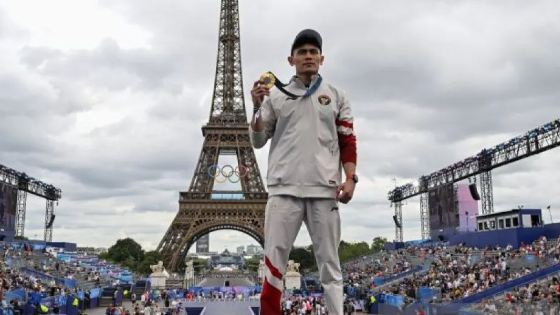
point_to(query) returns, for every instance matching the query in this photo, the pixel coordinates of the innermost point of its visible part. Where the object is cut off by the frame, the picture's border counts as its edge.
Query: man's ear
(291, 60)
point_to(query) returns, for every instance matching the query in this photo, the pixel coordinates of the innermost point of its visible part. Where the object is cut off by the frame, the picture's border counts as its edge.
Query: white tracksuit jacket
(304, 157)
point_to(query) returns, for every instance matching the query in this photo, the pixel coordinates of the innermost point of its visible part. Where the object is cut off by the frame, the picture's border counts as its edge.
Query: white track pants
(283, 219)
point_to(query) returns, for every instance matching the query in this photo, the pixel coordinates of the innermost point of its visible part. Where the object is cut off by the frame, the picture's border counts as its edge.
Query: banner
(236, 289)
(62, 299)
(378, 281)
(35, 298)
(64, 257)
(15, 294)
(394, 300)
(94, 293)
(426, 293)
(70, 283)
(530, 257)
(125, 277)
(53, 300)
(39, 246)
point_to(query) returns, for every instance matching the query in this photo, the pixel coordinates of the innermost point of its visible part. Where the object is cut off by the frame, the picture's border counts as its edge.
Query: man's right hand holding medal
(258, 92)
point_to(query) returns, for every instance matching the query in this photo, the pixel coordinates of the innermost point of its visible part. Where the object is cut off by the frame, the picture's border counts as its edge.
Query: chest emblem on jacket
(324, 99)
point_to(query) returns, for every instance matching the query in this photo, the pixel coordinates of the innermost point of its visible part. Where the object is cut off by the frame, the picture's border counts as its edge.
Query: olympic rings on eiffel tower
(228, 173)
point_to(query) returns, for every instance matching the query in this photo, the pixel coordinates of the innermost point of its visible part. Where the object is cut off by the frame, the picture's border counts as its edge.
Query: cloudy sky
(105, 99)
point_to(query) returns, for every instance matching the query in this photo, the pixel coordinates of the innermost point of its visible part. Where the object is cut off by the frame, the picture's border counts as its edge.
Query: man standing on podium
(310, 125)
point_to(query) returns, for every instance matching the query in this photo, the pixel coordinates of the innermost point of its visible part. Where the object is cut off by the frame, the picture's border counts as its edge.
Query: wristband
(256, 114)
(353, 178)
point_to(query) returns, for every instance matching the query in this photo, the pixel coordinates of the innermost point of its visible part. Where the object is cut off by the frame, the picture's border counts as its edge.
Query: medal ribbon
(291, 95)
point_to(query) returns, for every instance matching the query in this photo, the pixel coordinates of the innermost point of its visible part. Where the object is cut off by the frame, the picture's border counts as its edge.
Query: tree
(349, 251)
(150, 258)
(305, 257)
(378, 244)
(200, 264)
(21, 238)
(126, 252)
(252, 264)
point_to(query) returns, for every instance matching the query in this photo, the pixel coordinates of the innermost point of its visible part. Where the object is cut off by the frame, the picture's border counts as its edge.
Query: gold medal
(268, 80)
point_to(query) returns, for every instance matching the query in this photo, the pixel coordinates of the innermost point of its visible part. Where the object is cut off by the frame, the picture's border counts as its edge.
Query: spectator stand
(34, 262)
(67, 304)
(389, 300)
(542, 295)
(467, 303)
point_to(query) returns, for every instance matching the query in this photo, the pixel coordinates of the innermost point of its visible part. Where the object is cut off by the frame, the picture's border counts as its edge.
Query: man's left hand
(345, 191)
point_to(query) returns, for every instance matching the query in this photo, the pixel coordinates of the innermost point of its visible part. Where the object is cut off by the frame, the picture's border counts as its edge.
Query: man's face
(307, 59)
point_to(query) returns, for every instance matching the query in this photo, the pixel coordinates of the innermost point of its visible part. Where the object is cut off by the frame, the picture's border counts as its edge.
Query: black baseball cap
(308, 36)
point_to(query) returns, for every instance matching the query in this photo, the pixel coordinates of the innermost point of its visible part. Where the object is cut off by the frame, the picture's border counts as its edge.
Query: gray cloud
(107, 66)
(117, 127)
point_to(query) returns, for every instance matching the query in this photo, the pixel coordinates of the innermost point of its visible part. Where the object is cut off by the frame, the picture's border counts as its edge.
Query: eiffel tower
(203, 209)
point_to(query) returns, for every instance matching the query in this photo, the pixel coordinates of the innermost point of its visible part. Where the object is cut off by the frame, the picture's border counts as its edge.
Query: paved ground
(212, 308)
(220, 282)
(101, 310)
(226, 308)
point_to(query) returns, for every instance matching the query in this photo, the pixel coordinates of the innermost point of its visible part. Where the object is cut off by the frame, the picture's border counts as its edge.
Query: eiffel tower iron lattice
(202, 209)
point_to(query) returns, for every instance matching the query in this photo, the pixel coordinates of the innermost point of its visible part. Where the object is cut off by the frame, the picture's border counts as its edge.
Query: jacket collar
(300, 84)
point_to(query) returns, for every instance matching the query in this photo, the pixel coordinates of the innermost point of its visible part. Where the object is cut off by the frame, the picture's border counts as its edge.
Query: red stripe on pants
(271, 298)
(273, 270)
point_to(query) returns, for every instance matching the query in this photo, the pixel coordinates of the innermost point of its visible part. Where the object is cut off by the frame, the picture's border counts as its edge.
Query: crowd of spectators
(14, 279)
(540, 297)
(454, 272)
(362, 271)
(296, 305)
(462, 271)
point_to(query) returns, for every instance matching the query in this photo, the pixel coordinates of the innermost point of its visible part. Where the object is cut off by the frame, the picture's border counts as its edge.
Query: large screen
(468, 209)
(8, 205)
(443, 212)
(203, 244)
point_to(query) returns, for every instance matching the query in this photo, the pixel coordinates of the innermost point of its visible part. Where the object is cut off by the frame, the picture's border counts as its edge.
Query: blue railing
(380, 281)
(69, 283)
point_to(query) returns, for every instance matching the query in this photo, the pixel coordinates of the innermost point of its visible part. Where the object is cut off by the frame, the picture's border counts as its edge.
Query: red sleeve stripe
(344, 123)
